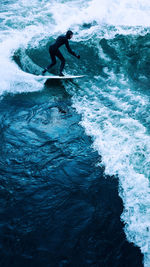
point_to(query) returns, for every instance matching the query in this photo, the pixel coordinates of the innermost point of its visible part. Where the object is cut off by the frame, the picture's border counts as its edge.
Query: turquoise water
(61, 140)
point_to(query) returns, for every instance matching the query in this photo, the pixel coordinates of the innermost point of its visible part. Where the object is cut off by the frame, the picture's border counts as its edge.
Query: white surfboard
(54, 77)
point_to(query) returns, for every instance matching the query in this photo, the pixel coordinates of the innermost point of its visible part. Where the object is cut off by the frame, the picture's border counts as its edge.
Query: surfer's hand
(78, 56)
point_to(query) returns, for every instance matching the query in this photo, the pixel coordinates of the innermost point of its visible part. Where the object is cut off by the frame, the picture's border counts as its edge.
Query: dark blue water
(57, 208)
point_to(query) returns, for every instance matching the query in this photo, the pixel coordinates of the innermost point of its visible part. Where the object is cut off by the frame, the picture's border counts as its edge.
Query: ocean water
(74, 155)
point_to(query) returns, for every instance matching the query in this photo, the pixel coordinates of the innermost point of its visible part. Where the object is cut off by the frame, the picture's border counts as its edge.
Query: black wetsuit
(55, 52)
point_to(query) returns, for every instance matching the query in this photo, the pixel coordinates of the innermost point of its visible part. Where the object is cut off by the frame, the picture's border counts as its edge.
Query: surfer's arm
(69, 49)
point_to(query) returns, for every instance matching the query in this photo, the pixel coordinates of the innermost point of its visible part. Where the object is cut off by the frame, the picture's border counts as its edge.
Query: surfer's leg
(53, 58)
(60, 56)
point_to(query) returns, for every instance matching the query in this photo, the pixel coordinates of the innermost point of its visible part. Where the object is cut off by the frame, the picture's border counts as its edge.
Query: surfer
(55, 52)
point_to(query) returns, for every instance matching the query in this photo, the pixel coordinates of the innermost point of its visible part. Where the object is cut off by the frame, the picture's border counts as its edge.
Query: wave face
(113, 40)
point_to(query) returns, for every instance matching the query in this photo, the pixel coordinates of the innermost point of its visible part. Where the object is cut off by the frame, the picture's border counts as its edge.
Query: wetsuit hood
(68, 34)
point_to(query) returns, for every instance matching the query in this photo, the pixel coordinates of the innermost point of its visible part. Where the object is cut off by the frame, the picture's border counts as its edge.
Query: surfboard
(53, 77)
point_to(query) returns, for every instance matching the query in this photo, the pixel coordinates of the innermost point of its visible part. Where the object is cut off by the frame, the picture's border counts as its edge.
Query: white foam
(104, 12)
(109, 117)
(12, 78)
(21, 25)
(135, 13)
(119, 146)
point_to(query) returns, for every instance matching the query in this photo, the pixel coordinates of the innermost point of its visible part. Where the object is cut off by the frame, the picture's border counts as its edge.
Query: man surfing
(55, 52)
